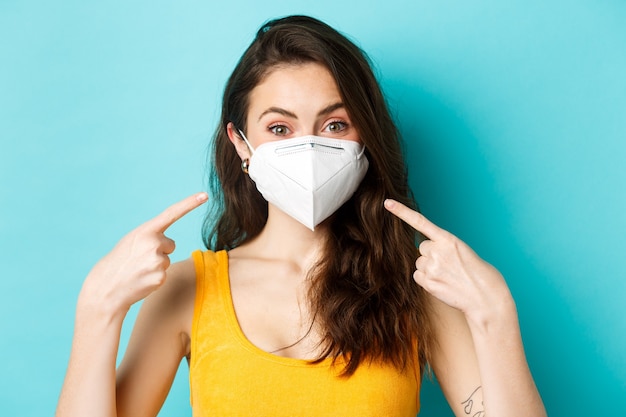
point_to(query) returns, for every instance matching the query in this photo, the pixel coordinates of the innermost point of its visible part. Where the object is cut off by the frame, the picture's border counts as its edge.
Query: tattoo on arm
(470, 406)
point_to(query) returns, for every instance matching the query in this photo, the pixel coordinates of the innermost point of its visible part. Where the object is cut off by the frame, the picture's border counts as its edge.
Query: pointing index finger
(414, 219)
(176, 211)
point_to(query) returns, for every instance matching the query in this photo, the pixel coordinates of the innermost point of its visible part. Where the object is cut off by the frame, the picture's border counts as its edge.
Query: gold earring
(245, 164)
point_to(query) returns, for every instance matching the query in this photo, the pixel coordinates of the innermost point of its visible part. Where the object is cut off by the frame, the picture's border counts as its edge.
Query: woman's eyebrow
(279, 111)
(331, 108)
(328, 109)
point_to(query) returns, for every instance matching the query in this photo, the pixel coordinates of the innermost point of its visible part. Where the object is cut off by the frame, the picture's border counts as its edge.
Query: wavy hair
(362, 292)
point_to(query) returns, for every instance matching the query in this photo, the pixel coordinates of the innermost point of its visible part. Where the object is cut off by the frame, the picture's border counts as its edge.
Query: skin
(480, 361)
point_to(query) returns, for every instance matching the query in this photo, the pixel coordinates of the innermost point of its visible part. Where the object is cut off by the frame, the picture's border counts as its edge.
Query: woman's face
(297, 100)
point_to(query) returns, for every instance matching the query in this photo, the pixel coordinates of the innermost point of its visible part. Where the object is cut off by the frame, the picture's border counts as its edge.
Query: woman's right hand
(137, 264)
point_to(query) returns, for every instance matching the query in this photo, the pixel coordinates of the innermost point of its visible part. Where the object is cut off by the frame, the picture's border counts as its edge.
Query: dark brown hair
(362, 291)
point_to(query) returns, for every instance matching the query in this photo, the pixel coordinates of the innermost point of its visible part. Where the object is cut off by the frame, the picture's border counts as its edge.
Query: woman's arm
(135, 268)
(159, 341)
(89, 386)
(479, 359)
(482, 369)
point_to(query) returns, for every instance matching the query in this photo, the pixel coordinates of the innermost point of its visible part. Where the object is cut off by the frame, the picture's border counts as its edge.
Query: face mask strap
(361, 153)
(246, 140)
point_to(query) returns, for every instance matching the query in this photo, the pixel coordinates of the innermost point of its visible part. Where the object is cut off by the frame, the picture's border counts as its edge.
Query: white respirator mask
(307, 177)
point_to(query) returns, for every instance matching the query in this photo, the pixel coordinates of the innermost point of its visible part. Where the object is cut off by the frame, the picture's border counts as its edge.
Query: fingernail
(202, 197)
(389, 203)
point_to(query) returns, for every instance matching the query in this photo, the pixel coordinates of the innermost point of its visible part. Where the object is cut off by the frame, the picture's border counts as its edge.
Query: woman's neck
(284, 238)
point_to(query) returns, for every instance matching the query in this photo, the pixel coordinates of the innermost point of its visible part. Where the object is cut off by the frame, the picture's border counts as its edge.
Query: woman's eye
(279, 130)
(336, 126)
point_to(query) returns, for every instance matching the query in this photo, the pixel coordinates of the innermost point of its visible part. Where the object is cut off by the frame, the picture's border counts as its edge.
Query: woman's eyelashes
(279, 130)
(336, 126)
(332, 127)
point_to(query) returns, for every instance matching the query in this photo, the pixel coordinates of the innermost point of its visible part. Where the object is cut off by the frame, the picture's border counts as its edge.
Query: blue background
(514, 116)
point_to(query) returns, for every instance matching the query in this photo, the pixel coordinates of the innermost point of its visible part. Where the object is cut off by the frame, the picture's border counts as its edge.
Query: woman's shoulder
(183, 277)
(181, 274)
(172, 304)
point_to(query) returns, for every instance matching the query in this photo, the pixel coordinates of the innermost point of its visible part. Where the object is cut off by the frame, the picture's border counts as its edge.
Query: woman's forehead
(305, 87)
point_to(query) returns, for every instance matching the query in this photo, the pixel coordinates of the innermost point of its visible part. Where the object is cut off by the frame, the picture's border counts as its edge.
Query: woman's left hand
(452, 272)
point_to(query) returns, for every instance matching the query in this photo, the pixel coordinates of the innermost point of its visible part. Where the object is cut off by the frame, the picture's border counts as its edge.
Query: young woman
(313, 299)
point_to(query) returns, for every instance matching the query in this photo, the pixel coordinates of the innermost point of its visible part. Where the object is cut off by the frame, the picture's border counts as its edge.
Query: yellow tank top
(229, 376)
